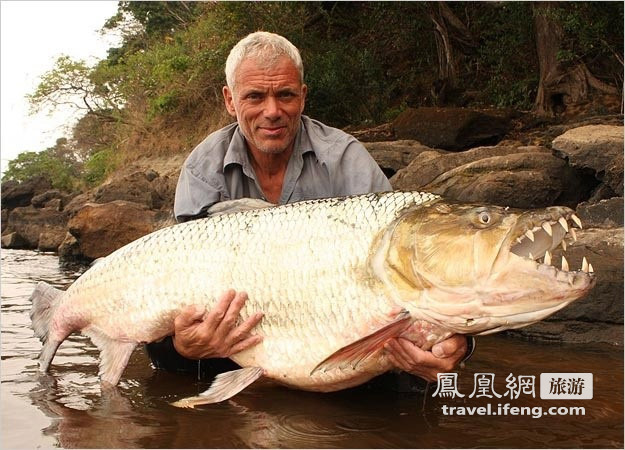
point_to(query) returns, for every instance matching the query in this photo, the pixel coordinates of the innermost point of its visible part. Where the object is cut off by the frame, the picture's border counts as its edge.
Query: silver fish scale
(304, 265)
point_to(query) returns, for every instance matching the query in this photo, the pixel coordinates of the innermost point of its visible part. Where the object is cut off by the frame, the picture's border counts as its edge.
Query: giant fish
(336, 278)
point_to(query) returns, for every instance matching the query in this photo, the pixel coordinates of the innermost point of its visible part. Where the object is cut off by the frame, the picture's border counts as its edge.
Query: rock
(69, 250)
(151, 175)
(395, 155)
(76, 203)
(40, 200)
(50, 240)
(165, 190)
(597, 148)
(522, 177)
(31, 222)
(13, 240)
(604, 214)
(102, 228)
(55, 204)
(377, 134)
(4, 219)
(599, 316)
(15, 195)
(451, 128)
(135, 188)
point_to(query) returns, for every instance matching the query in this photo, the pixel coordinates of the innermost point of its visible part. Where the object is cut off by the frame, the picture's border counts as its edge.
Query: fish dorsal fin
(224, 386)
(354, 353)
(238, 205)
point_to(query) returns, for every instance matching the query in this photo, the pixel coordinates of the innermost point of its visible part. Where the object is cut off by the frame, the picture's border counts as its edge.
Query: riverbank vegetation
(159, 93)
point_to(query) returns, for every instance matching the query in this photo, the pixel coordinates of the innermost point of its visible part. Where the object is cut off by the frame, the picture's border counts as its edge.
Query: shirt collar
(237, 149)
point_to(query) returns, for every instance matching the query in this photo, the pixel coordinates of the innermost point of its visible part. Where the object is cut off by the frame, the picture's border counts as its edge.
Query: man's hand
(200, 334)
(443, 358)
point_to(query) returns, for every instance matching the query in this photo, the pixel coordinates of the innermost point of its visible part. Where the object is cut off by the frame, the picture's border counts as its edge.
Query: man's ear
(304, 92)
(229, 101)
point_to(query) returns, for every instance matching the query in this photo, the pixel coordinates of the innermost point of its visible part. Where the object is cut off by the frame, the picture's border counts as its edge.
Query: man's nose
(272, 108)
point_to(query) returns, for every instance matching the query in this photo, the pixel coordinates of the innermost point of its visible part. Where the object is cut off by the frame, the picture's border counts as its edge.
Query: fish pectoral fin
(354, 353)
(225, 385)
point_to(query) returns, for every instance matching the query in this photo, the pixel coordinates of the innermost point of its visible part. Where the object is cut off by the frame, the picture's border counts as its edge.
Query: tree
(564, 79)
(453, 38)
(58, 164)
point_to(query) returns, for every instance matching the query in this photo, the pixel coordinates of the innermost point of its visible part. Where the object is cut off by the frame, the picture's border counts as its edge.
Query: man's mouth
(273, 130)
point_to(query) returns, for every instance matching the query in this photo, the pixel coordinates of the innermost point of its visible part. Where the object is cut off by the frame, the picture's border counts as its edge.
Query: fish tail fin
(225, 386)
(45, 299)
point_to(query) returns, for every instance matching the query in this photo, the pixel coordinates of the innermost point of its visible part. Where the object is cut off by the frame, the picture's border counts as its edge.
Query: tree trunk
(447, 28)
(560, 85)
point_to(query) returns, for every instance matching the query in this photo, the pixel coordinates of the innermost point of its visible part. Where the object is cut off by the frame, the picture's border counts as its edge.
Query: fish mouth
(536, 236)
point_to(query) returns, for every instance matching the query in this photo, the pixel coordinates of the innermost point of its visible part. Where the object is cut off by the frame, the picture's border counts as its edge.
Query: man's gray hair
(268, 47)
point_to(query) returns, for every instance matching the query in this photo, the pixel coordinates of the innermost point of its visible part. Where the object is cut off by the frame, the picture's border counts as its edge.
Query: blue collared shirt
(326, 162)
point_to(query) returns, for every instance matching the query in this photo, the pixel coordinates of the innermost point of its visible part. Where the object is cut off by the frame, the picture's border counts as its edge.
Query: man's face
(268, 102)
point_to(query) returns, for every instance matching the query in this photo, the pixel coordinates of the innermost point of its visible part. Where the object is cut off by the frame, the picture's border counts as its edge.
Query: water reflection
(68, 408)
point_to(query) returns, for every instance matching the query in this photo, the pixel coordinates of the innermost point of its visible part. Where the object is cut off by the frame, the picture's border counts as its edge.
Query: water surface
(68, 409)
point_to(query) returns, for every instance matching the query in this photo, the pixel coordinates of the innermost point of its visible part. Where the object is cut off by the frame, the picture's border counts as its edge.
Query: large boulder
(43, 199)
(603, 214)
(138, 187)
(392, 156)
(515, 176)
(599, 316)
(451, 128)
(100, 229)
(595, 148)
(30, 223)
(15, 194)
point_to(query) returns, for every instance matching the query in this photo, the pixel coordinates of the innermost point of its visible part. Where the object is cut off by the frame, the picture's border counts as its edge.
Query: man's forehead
(280, 67)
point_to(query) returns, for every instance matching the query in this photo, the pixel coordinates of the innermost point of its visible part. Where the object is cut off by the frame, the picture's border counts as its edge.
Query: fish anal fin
(354, 353)
(114, 355)
(225, 386)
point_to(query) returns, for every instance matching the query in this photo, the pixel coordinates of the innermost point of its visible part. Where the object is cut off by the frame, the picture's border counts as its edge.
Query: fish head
(479, 269)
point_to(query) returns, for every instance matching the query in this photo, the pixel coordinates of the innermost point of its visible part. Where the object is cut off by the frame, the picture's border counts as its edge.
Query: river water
(67, 408)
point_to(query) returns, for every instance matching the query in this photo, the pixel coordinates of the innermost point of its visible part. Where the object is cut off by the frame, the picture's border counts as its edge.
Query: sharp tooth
(548, 258)
(574, 234)
(584, 265)
(563, 245)
(547, 227)
(531, 256)
(575, 219)
(565, 264)
(530, 235)
(519, 240)
(590, 269)
(562, 221)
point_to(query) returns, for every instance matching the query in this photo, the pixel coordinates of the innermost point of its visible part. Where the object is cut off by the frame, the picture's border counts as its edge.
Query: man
(275, 153)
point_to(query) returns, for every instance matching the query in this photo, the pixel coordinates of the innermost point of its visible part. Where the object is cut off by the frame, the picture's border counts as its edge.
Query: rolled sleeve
(194, 196)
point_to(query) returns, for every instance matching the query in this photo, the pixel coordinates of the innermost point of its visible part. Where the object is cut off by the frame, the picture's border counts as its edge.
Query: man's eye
(286, 95)
(253, 96)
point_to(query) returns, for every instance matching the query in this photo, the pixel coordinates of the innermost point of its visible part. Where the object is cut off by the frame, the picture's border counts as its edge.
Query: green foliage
(364, 63)
(99, 165)
(61, 170)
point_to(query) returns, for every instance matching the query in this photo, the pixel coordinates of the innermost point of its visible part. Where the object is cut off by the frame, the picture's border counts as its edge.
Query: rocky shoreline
(467, 155)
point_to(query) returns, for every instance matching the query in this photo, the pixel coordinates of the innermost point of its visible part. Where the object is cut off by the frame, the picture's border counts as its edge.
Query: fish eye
(484, 218)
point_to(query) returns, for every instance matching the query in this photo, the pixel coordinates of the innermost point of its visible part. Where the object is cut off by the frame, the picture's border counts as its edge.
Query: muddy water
(68, 409)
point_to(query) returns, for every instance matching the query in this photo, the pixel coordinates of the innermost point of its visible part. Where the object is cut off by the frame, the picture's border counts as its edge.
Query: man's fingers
(188, 316)
(246, 343)
(218, 312)
(450, 346)
(249, 324)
